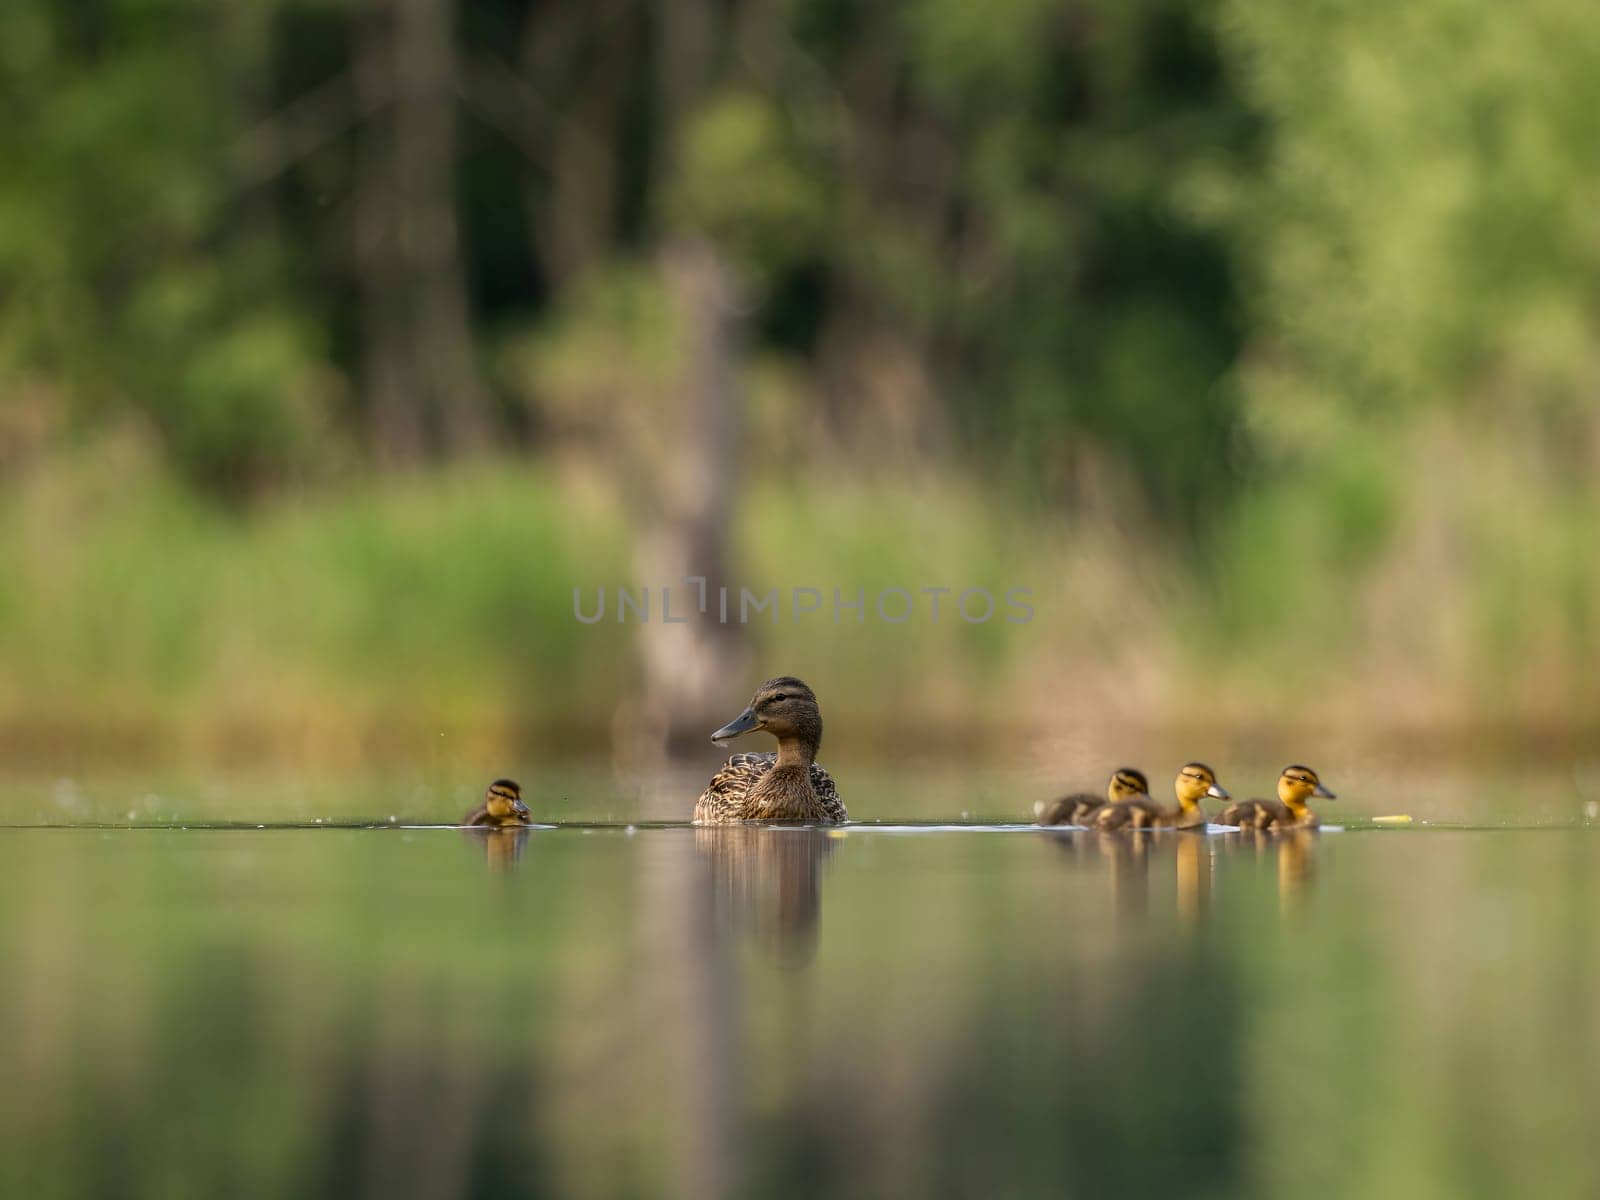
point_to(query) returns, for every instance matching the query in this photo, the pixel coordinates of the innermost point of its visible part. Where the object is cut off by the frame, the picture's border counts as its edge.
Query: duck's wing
(1232, 814)
(1075, 809)
(1253, 814)
(1136, 812)
(723, 799)
(828, 795)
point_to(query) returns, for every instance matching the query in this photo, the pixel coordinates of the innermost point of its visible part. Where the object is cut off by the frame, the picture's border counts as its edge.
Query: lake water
(606, 1010)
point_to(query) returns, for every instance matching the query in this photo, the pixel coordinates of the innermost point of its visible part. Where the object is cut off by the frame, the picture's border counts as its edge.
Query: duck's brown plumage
(1070, 810)
(1141, 812)
(1080, 808)
(786, 786)
(1257, 813)
(1296, 784)
(726, 796)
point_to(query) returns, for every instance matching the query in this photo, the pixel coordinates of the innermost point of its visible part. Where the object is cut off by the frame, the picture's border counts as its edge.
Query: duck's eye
(778, 697)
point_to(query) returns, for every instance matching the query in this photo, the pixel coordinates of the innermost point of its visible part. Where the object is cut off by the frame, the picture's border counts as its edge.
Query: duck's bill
(522, 809)
(743, 723)
(1324, 793)
(1217, 792)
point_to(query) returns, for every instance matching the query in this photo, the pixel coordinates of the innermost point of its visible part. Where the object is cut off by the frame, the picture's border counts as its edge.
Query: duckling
(1194, 780)
(1079, 809)
(502, 805)
(786, 786)
(1295, 785)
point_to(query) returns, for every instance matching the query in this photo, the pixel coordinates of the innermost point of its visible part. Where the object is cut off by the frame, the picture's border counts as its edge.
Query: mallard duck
(786, 786)
(502, 805)
(1194, 781)
(1295, 786)
(1079, 809)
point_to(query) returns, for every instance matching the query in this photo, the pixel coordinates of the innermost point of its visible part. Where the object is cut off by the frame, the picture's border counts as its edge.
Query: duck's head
(1125, 783)
(784, 707)
(1298, 784)
(503, 801)
(1196, 781)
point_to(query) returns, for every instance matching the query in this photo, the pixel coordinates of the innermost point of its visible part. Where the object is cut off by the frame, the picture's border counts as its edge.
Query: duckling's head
(503, 801)
(1126, 783)
(784, 707)
(1298, 784)
(1196, 780)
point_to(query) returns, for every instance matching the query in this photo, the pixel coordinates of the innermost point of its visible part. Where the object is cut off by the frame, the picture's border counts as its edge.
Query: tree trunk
(573, 203)
(422, 381)
(693, 670)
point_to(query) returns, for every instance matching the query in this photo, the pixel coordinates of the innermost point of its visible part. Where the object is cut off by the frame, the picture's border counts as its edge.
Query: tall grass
(392, 601)
(1440, 582)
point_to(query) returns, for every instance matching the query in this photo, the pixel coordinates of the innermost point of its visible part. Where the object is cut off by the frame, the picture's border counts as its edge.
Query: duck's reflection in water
(1133, 860)
(1296, 867)
(502, 847)
(1194, 875)
(1293, 853)
(1130, 858)
(767, 882)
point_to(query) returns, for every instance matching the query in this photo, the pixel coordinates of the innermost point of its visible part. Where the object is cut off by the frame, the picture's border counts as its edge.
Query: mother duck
(786, 786)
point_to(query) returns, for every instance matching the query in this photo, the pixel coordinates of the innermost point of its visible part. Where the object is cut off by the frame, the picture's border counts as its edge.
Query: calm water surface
(606, 1011)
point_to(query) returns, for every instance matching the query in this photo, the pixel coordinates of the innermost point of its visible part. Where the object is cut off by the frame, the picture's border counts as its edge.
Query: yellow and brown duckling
(786, 786)
(1125, 784)
(1194, 782)
(1296, 785)
(502, 806)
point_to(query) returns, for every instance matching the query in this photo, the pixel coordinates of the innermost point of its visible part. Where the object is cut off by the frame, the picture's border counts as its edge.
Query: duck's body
(1125, 785)
(786, 786)
(1194, 781)
(502, 806)
(1146, 813)
(1296, 784)
(1258, 813)
(1076, 809)
(741, 791)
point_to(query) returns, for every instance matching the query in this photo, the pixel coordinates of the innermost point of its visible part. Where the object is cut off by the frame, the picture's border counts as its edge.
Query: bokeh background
(340, 342)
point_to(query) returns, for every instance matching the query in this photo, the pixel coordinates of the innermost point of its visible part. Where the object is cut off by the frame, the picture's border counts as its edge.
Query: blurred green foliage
(140, 279)
(452, 601)
(1285, 312)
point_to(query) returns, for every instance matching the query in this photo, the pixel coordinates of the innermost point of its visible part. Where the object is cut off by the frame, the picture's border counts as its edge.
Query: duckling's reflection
(1294, 854)
(768, 882)
(502, 846)
(1130, 857)
(1296, 867)
(1194, 875)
